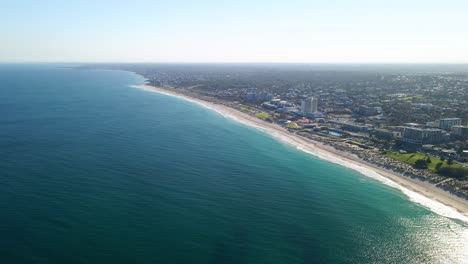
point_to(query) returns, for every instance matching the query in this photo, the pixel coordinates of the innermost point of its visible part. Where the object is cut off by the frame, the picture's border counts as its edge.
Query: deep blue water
(94, 171)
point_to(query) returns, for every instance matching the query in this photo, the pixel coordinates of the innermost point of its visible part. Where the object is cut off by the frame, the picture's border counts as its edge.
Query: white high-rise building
(309, 105)
(460, 131)
(447, 123)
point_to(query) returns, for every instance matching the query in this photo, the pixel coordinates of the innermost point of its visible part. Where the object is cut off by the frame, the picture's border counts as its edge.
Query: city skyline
(257, 31)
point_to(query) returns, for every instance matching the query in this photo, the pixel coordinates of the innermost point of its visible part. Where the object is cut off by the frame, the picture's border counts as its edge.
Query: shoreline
(423, 193)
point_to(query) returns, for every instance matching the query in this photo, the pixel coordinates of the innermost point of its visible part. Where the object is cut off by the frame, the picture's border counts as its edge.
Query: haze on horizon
(311, 31)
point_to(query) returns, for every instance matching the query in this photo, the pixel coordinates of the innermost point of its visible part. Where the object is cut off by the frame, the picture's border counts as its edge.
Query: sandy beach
(423, 193)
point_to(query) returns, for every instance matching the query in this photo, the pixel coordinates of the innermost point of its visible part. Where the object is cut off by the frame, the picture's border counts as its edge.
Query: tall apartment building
(447, 123)
(309, 105)
(419, 136)
(460, 131)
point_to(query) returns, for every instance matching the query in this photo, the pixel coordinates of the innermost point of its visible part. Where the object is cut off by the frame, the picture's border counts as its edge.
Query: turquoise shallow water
(93, 171)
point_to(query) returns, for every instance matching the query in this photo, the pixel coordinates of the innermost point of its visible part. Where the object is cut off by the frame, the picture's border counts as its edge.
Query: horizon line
(234, 62)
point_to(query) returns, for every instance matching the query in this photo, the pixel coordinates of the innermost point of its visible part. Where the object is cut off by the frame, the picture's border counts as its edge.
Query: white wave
(435, 206)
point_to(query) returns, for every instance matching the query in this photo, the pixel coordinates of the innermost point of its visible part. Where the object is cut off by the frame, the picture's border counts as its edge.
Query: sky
(294, 31)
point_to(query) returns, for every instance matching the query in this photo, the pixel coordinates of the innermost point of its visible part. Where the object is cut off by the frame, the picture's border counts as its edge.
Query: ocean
(95, 171)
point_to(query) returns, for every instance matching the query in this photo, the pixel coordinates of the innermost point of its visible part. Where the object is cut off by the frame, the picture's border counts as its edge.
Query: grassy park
(263, 115)
(293, 125)
(412, 158)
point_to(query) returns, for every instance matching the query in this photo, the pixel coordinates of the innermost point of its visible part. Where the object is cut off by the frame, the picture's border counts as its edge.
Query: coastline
(423, 193)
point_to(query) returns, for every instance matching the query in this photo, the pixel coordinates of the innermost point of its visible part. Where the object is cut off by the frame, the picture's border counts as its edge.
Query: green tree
(438, 166)
(386, 145)
(450, 161)
(420, 164)
(428, 160)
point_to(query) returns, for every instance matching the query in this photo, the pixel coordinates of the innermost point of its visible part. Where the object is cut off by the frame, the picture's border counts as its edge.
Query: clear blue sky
(235, 31)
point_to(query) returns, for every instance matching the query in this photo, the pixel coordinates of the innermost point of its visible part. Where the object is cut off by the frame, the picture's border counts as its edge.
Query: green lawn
(409, 98)
(411, 158)
(263, 115)
(293, 125)
(245, 109)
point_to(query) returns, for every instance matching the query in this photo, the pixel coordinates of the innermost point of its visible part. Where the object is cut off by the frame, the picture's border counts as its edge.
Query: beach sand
(423, 193)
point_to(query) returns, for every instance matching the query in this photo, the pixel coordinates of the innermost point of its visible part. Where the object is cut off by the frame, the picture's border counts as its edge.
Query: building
(464, 156)
(258, 96)
(365, 110)
(426, 107)
(309, 105)
(432, 124)
(382, 133)
(315, 115)
(350, 126)
(460, 131)
(420, 136)
(269, 106)
(447, 123)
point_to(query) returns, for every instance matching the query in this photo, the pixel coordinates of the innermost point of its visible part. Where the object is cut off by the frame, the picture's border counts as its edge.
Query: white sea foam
(435, 206)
